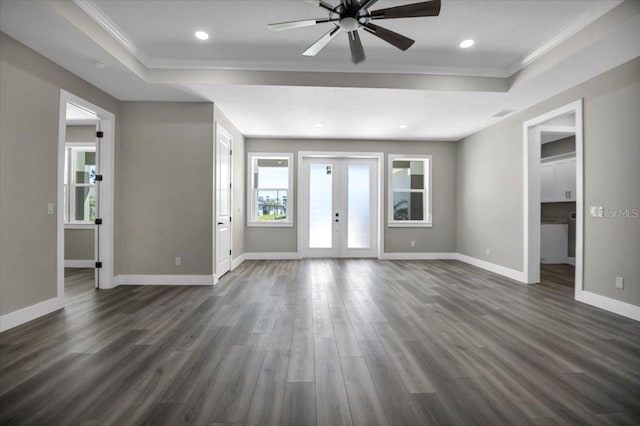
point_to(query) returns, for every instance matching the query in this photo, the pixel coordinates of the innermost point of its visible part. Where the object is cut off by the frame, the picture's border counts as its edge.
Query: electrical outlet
(178, 261)
(413, 243)
(488, 251)
(620, 282)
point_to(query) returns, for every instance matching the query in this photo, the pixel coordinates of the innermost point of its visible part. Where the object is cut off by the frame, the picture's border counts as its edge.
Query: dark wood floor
(325, 342)
(560, 273)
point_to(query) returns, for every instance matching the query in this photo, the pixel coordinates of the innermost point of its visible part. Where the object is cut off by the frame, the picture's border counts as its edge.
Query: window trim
(251, 200)
(427, 222)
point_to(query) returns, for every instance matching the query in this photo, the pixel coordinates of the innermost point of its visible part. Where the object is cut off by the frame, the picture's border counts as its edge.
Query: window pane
(320, 205)
(85, 200)
(358, 206)
(272, 173)
(272, 205)
(84, 167)
(408, 206)
(408, 174)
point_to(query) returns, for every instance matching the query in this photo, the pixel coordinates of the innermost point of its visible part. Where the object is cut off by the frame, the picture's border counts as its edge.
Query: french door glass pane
(358, 206)
(85, 203)
(408, 206)
(320, 205)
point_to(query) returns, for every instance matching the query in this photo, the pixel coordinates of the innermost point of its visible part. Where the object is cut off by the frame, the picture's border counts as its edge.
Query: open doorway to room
(85, 197)
(553, 197)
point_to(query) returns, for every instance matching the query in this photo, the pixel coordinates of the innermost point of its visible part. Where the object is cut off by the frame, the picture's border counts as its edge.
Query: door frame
(220, 129)
(105, 192)
(379, 156)
(531, 182)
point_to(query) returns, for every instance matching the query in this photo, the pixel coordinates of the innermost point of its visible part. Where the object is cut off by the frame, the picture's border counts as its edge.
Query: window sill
(79, 226)
(409, 225)
(270, 224)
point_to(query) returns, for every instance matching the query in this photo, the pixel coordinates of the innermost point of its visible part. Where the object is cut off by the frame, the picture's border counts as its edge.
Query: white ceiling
(150, 54)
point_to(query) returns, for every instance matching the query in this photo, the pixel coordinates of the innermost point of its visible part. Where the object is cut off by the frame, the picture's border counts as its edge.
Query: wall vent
(503, 112)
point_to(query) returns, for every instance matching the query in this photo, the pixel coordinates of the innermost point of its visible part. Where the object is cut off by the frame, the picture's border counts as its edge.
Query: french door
(339, 200)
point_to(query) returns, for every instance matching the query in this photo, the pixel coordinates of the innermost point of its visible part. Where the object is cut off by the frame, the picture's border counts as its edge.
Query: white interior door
(223, 202)
(339, 207)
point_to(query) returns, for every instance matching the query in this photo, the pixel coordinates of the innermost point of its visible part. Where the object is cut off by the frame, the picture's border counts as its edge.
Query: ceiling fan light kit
(351, 15)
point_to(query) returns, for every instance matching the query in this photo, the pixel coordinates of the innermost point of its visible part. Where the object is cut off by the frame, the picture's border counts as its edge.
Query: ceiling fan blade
(427, 8)
(323, 4)
(366, 4)
(357, 51)
(391, 37)
(281, 26)
(322, 42)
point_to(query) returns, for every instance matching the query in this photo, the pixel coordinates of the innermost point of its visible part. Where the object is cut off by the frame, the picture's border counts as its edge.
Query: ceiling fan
(351, 15)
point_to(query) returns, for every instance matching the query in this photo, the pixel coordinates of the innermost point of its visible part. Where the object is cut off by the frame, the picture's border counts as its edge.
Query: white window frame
(252, 198)
(427, 220)
(69, 149)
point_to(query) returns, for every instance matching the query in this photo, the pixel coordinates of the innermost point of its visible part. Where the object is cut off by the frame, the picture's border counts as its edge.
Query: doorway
(553, 187)
(223, 207)
(85, 193)
(339, 199)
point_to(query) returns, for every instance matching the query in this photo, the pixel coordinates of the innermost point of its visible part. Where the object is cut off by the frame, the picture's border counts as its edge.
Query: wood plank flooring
(324, 342)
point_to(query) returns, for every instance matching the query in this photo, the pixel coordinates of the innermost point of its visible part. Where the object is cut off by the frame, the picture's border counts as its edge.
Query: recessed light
(317, 125)
(402, 126)
(466, 43)
(201, 35)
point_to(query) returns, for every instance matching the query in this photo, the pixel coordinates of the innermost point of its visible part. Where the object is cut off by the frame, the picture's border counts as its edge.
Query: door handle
(220, 223)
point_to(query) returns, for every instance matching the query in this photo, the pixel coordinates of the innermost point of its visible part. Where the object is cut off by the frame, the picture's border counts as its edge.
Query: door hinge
(99, 134)
(98, 221)
(230, 152)
(229, 252)
(98, 265)
(230, 218)
(229, 185)
(98, 178)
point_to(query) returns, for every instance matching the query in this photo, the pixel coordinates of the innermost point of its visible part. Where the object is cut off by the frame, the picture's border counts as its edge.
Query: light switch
(50, 208)
(620, 282)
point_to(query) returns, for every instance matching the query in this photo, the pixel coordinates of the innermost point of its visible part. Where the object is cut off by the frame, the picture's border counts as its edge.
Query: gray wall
(164, 184)
(30, 85)
(490, 176)
(79, 244)
(440, 238)
(80, 133)
(561, 146)
(238, 182)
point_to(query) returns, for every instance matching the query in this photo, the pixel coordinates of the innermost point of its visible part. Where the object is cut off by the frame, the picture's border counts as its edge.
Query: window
(409, 190)
(270, 180)
(79, 183)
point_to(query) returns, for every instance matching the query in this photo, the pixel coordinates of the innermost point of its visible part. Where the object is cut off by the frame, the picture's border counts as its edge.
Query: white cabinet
(554, 240)
(547, 182)
(558, 180)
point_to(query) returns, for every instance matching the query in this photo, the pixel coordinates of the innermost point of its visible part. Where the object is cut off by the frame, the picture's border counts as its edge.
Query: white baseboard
(16, 318)
(492, 267)
(272, 256)
(238, 261)
(79, 263)
(419, 256)
(163, 280)
(608, 304)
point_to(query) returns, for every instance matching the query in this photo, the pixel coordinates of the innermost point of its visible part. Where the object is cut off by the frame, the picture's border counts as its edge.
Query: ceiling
(525, 52)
